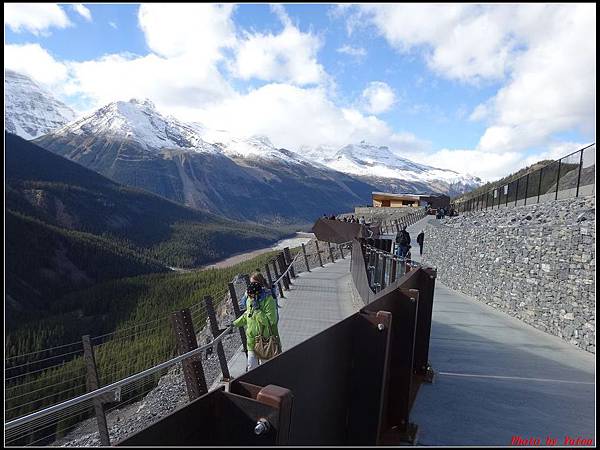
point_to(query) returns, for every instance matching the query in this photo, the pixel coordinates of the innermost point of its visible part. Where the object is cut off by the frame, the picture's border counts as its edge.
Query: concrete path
(499, 379)
(316, 300)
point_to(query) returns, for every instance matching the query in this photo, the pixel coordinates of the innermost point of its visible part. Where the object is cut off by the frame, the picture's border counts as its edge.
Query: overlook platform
(497, 379)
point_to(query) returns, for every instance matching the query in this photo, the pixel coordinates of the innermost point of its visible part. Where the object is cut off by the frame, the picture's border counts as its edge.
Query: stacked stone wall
(535, 262)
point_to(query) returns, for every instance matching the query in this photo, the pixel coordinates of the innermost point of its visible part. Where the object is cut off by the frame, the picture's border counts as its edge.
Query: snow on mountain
(379, 161)
(139, 121)
(30, 110)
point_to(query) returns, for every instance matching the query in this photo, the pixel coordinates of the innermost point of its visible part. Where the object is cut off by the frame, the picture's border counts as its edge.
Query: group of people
(350, 219)
(260, 318)
(403, 243)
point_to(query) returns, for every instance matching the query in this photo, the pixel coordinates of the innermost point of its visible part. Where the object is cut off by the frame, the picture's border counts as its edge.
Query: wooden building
(387, 200)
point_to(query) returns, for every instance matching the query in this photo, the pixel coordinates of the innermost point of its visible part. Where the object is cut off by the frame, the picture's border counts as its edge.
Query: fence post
(526, 188)
(92, 384)
(193, 371)
(330, 252)
(284, 268)
(540, 184)
(279, 259)
(268, 272)
(305, 258)
(517, 192)
(289, 259)
(238, 313)
(579, 173)
(384, 261)
(214, 328)
(279, 283)
(557, 179)
(319, 253)
(341, 251)
(375, 268)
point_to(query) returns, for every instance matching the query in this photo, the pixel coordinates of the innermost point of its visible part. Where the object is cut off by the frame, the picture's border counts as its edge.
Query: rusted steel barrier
(352, 384)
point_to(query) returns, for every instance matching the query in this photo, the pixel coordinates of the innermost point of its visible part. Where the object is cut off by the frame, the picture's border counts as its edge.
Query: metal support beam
(193, 372)
(92, 384)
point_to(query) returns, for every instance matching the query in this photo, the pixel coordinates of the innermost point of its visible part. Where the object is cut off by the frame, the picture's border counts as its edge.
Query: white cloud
(289, 57)
(544, 56)
(113, 24)
(277, 109)
(357, 52)
(200, 29)
(82, 11)
(182, 81)
(34, 61)
(553, 87)
(36, 18)
(378, 97)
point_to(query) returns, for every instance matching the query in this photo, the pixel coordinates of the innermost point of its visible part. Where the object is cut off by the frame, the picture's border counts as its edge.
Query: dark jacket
(403, 238)
(420, 238)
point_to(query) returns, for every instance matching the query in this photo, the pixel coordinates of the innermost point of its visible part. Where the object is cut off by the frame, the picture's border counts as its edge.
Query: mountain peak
(31, 110)
(139, 121)
(143, 102)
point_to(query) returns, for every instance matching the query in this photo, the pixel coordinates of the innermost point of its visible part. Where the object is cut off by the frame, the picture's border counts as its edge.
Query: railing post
(305, 258)
(268, 272)
(330, 252)
(540, 184)
(375, 269)
(214, 328)
(238, 313)
(579, 173)
(517, 192)
(319, 253)
(193, 371)
(526, 188)
(341, 251)
(286, 283)
(276, 272)
(92, 384)
(288, 257)
(557, 179)
(384, 261)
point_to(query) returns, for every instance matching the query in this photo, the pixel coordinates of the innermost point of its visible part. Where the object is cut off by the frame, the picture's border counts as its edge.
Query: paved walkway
(316, 300)
(497, 377)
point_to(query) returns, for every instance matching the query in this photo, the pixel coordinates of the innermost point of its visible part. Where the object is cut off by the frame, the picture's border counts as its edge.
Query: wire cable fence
(43, 413)
(571, 176)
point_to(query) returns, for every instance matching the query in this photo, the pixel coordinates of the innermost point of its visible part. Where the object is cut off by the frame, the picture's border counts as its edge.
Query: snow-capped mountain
(240, 178)
(379, 161)
(30, 110)
(138, 121)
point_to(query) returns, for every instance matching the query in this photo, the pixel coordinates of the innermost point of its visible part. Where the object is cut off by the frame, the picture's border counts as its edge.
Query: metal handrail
(116, 385)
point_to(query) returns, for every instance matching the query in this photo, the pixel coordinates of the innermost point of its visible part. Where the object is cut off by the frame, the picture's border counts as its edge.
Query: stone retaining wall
(535, 262)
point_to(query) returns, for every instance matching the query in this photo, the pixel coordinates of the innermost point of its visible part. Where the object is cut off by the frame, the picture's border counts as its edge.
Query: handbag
(266, 348)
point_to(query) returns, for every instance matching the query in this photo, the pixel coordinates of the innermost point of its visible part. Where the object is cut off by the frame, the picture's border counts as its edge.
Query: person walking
(402, 242)
(259, 320)
(420, 239)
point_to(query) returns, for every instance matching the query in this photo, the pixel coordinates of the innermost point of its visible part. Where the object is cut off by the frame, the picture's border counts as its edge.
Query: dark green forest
(69, 228)
(134, 312)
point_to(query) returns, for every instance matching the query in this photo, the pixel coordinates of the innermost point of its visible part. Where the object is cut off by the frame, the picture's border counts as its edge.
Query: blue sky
(454, 89)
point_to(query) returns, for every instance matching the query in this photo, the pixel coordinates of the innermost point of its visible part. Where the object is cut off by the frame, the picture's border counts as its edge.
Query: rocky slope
(30, 110)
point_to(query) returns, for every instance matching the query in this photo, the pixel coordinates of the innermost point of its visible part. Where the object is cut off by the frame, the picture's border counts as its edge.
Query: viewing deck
(497, 379)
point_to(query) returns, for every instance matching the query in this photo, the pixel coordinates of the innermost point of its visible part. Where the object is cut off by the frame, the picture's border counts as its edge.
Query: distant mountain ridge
(30, 110)
(242, 179)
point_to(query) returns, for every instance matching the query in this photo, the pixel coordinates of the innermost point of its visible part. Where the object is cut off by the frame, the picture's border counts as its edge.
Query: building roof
(400, 196)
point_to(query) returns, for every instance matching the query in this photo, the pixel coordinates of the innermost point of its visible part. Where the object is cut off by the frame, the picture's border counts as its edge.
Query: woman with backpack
(260, 321)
